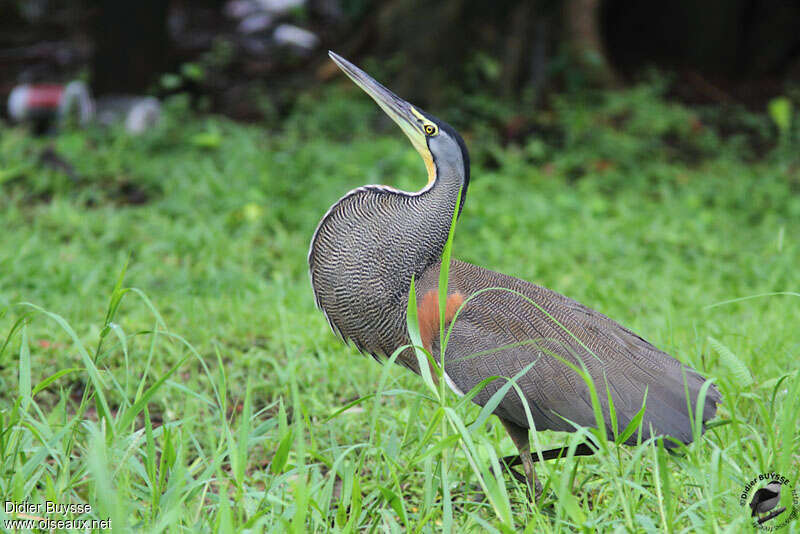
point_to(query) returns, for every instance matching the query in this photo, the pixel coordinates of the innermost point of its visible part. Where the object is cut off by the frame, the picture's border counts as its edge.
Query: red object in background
(45, 102)
(44, 96)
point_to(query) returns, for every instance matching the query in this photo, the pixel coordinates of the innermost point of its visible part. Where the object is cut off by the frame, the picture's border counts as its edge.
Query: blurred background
(248, 59)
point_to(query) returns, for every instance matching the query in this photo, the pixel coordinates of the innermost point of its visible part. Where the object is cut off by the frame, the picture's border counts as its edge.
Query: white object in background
(77, 100)
(238, 9)
(289, 34)
(255, 23)
(49, 101)
(18, 102)
(138, 113)
(145, 114)
(279, 7)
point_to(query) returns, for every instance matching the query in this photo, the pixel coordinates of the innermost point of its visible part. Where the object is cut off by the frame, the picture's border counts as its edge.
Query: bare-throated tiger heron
(370, 244)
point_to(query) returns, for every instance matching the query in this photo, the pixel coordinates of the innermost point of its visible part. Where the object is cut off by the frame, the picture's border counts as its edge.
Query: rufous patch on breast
(428, 314)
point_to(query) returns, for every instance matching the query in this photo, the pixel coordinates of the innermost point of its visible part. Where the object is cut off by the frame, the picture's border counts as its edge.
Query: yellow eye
(430, 129)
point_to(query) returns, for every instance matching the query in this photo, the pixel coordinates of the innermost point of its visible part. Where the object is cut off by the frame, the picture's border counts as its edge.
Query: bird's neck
(368, 247)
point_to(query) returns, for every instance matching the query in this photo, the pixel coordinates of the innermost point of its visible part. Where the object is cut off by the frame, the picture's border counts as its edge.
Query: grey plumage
(372, 241)
(555, 393)
(363, 256)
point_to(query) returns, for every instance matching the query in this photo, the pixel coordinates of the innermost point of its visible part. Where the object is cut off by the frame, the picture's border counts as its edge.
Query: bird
(765, 499)
(374, 240)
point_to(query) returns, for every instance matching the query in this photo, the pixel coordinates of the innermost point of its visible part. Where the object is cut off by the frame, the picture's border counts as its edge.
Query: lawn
(161, 358)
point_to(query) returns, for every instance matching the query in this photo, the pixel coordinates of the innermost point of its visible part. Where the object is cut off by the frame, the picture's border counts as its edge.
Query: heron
(374, 240)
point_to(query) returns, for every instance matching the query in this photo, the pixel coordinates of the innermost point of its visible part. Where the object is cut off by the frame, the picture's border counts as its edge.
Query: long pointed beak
(400, 111)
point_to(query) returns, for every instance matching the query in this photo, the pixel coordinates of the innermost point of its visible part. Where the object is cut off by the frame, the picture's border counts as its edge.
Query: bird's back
(523, 323)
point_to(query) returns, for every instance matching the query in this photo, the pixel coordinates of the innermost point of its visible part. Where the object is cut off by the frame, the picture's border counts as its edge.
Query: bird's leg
(533, 484)
(519, 436)
(510, 462)
(528, 461)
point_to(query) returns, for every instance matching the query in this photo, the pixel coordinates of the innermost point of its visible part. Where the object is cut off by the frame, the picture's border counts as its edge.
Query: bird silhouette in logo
(765, 500)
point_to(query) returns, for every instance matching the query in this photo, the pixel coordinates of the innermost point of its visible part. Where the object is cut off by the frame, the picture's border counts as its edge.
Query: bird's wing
(499, 332)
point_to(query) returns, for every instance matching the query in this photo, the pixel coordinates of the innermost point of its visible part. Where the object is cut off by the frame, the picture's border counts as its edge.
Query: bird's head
(440, 146)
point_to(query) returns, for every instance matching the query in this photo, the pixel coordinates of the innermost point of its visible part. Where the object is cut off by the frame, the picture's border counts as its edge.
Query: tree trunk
(130, 45)
(585, 43)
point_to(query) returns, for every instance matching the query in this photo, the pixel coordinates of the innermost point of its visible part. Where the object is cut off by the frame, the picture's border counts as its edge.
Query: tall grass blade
(788, 422)
(24, 370)
(94, 375)
(735, 366)
(444, 272)
(282, 453)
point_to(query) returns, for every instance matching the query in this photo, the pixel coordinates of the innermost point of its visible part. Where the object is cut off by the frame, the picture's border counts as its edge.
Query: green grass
(214, 397)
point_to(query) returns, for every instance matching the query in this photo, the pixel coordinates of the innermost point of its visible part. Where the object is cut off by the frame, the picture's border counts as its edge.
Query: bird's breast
(362, 258)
